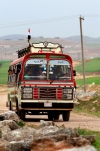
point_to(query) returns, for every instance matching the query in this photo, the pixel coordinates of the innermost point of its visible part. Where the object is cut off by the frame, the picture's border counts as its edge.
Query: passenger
(36, 72)
(28, 74)
(11, 76)
(10, 72)
(41, 74)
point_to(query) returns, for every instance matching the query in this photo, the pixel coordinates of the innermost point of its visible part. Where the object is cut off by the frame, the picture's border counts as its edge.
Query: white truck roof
(41, 47)
(46, 46)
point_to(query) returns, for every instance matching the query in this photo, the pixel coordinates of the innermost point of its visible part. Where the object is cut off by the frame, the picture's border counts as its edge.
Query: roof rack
(41, 47)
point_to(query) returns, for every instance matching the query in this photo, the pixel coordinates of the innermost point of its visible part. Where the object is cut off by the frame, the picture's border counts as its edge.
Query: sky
(50, 18)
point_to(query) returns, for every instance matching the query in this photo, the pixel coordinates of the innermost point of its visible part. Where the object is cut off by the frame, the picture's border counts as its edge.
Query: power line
(38, 21)
(47, 20)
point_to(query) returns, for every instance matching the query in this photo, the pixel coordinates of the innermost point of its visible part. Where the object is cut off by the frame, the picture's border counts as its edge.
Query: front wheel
(17, 107)
(10, 106)
(66, 115)
(56, 117)
(50, 116)
(22, 114)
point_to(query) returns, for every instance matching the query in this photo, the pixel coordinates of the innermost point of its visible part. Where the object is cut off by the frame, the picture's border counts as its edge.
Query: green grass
(90, 80)
(86, 106)
(4, 71)
(95, 45)
(93, 65)
(21, 123)
(96, 144)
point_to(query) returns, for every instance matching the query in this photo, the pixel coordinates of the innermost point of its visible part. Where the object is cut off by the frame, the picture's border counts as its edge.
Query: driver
(58, 71)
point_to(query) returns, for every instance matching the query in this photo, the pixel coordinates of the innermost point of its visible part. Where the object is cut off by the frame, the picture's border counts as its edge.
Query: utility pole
(81, 18)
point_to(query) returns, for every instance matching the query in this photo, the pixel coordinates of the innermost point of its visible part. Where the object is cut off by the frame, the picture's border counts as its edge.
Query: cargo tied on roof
(41, 47)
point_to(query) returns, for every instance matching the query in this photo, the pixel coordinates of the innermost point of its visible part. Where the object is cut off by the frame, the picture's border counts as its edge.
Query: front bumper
(41, 106)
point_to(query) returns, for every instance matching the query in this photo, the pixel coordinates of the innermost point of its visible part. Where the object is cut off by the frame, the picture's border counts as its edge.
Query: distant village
(9, 47)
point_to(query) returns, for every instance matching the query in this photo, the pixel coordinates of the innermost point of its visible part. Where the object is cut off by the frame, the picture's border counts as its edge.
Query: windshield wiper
(57, 77)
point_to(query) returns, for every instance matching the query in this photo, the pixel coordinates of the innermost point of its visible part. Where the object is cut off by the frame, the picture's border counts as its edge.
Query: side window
(18, 70)
(11, 75)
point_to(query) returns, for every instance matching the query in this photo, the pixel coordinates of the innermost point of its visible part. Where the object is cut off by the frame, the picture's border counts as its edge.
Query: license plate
(48, 104)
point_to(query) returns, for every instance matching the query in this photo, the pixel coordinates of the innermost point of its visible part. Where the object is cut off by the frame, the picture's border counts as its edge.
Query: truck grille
(47, 93)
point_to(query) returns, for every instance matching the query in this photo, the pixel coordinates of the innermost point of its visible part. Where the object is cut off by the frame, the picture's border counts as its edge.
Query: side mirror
(74, 72)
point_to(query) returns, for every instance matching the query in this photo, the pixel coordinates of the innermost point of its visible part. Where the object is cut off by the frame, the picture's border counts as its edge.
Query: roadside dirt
(76, 120)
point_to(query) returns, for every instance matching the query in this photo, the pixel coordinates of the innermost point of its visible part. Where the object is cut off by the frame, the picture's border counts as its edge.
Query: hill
(13, 37)
(86, 39)
(72, 38)
(10, 44)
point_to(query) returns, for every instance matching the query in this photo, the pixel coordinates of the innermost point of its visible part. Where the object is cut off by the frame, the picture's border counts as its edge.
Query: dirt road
(76, 120)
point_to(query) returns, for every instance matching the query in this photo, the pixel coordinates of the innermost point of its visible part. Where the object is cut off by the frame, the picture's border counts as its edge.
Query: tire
(66, 115)
(22, 114)
(10, 106)
(50, 116)
(17, 107)
(56, 117)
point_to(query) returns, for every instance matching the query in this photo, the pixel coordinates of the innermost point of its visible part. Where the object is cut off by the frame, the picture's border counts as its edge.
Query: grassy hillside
(92, 65)
(95, 45)
(4, 65)
(90, 80)
(96, 144)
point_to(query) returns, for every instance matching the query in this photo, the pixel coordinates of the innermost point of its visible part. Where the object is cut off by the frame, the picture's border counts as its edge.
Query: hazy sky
(50, 18)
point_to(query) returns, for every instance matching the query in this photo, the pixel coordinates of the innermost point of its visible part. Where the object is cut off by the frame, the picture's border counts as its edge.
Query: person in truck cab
(28, 74)
(41, 75)
(58, 71)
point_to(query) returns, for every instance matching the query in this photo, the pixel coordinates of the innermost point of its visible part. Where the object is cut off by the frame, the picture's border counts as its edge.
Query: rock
(93, 83)
(49, 145)
(86, 96)
(47, 130)
(26, 145)
(91, 138)
(3, 143)
(85, 148)
(94, 102)
(15, 146)
(79, 141)
(93, 109)
(12, 124)
(7, 126)
(48, 137)
(46, 123)
(4, 130)
(21, 134)
(76, 102)
(10, 115)
(67, 131)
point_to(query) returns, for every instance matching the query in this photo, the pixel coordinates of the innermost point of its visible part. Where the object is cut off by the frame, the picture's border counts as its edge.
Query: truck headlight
(27, 93)
(67, 90)
(27, 90)
(67, 96)
(27, 96)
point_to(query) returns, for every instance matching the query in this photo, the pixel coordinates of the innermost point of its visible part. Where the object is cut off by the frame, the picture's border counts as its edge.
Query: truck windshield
(35, 69)
(43, 69)
(59, 69)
